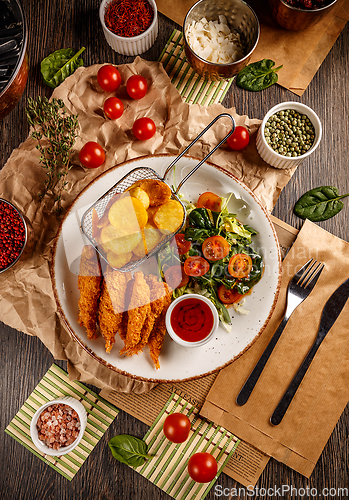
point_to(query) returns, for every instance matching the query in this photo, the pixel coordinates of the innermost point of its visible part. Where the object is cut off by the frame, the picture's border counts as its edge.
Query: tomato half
(109, 78)
(228, 296)
(92, 155)
(202, 467)
(113, 108)
(176, 427)
(183, 246)
(215, 248)
(136, 86)
(175, 277)
(196, 266)
(240, 265)
(211, 201)
(144, 128)
(239, 139)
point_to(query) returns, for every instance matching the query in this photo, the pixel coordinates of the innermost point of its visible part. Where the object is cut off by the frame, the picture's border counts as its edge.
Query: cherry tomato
(175, 277)
(240, 265)
(143, 129)
(136, 86)
(196, 266)
(109, 78)
(211, 201)
(215, 248)
(92, 155)
(239, 139)
(228, 296)
(113, 108)
(202, 467)
(177, 427)
(183, 246)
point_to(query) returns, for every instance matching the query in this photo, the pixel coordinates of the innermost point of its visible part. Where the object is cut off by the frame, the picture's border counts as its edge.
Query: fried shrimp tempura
(90, 286)
(157, 302)
(111, 305)
(137, 311)
(157, 335)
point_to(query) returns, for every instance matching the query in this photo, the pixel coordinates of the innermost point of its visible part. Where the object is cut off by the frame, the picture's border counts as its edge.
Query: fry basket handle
(222, 115)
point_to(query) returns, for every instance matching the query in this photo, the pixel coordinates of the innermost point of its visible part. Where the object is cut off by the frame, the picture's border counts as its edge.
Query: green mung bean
(289, 133)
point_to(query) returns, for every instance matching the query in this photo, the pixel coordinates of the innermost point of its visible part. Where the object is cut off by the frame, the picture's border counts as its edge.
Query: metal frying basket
(141, 173)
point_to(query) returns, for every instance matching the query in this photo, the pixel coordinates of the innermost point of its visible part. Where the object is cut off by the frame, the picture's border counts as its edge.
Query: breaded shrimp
(157, 335)
(90, 286)
(138, 310)
(112, 305)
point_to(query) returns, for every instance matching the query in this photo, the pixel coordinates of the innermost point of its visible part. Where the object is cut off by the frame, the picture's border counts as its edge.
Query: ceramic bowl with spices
(288, 134)
(57, 427)
(219, 37)
(16, 235)
(298, 15)
(192, 320)
(130, 26)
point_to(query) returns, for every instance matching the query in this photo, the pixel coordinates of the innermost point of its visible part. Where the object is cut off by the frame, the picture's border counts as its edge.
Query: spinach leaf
(200, 218)
(258, 76)
(129, 450)
(62, 63)
(197, 235)
(319, 204)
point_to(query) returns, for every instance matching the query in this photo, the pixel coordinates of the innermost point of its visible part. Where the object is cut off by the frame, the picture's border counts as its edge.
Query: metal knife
(330, 313)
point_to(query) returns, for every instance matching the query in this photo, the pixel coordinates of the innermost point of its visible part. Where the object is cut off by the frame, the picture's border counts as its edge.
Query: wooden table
(52, 25)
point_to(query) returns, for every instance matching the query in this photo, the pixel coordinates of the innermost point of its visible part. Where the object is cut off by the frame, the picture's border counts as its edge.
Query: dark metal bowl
(241, 17)
(295, 19)
(14, 88)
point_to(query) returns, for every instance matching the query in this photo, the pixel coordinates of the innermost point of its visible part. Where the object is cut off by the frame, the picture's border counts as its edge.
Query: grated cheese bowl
(240, 17)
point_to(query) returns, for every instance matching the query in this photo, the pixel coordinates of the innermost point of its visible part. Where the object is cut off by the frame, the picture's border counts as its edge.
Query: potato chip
(140, 195)
(127, 215)
(152, 237)
(158, 192)
(113, 242)
(169, 217)
(119, 260)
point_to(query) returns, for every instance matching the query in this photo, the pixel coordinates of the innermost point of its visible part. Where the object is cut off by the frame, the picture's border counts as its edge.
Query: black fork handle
(250, 383)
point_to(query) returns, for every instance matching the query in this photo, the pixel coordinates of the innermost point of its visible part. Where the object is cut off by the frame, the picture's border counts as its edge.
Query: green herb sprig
(53, 125)
(129, 450)
(319, 204)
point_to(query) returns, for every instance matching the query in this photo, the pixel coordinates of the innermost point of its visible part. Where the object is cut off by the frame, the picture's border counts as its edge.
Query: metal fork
(298, 290)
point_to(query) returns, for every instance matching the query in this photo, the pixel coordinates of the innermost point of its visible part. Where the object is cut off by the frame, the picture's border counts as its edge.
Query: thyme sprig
(53, 126)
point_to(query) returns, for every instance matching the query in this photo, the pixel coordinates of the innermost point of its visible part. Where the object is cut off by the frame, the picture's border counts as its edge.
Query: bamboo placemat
(168, 469)
(193, 88)
(100, 414)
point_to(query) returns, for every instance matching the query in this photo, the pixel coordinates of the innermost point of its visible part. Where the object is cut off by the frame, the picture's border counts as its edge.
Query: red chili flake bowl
(16, 235)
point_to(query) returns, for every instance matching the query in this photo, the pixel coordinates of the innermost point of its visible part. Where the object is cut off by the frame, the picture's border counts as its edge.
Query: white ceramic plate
(177, 363)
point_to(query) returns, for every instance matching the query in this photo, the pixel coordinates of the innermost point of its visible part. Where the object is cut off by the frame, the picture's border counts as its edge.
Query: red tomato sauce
(192, 319)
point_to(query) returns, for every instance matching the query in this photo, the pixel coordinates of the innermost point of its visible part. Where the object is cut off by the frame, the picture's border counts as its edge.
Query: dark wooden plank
(53, 25)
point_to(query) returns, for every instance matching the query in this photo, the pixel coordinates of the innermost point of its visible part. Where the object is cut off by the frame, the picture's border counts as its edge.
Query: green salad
(213, 256)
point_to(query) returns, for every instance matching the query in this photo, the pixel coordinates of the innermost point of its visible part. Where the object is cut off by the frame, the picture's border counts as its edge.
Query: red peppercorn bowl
(296, 19)
(130, 46)
(28, 237)
(80, 410)
(174, 335)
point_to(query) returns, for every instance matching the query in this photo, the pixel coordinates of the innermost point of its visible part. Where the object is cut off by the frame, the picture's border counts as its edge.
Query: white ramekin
(172, 333)
(275, 159)
(134, 45)
(80, 410)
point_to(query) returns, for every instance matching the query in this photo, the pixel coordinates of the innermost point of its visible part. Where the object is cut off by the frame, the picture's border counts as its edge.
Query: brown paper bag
(324, 392)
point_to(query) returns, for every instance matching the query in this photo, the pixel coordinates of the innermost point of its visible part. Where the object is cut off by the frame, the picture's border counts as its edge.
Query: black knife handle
(286, 399)
(248, 387)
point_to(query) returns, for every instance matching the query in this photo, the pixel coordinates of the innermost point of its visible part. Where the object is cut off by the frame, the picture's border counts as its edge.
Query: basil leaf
(129, 450)
(319, 204)
(62, 63)
(258, 76)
